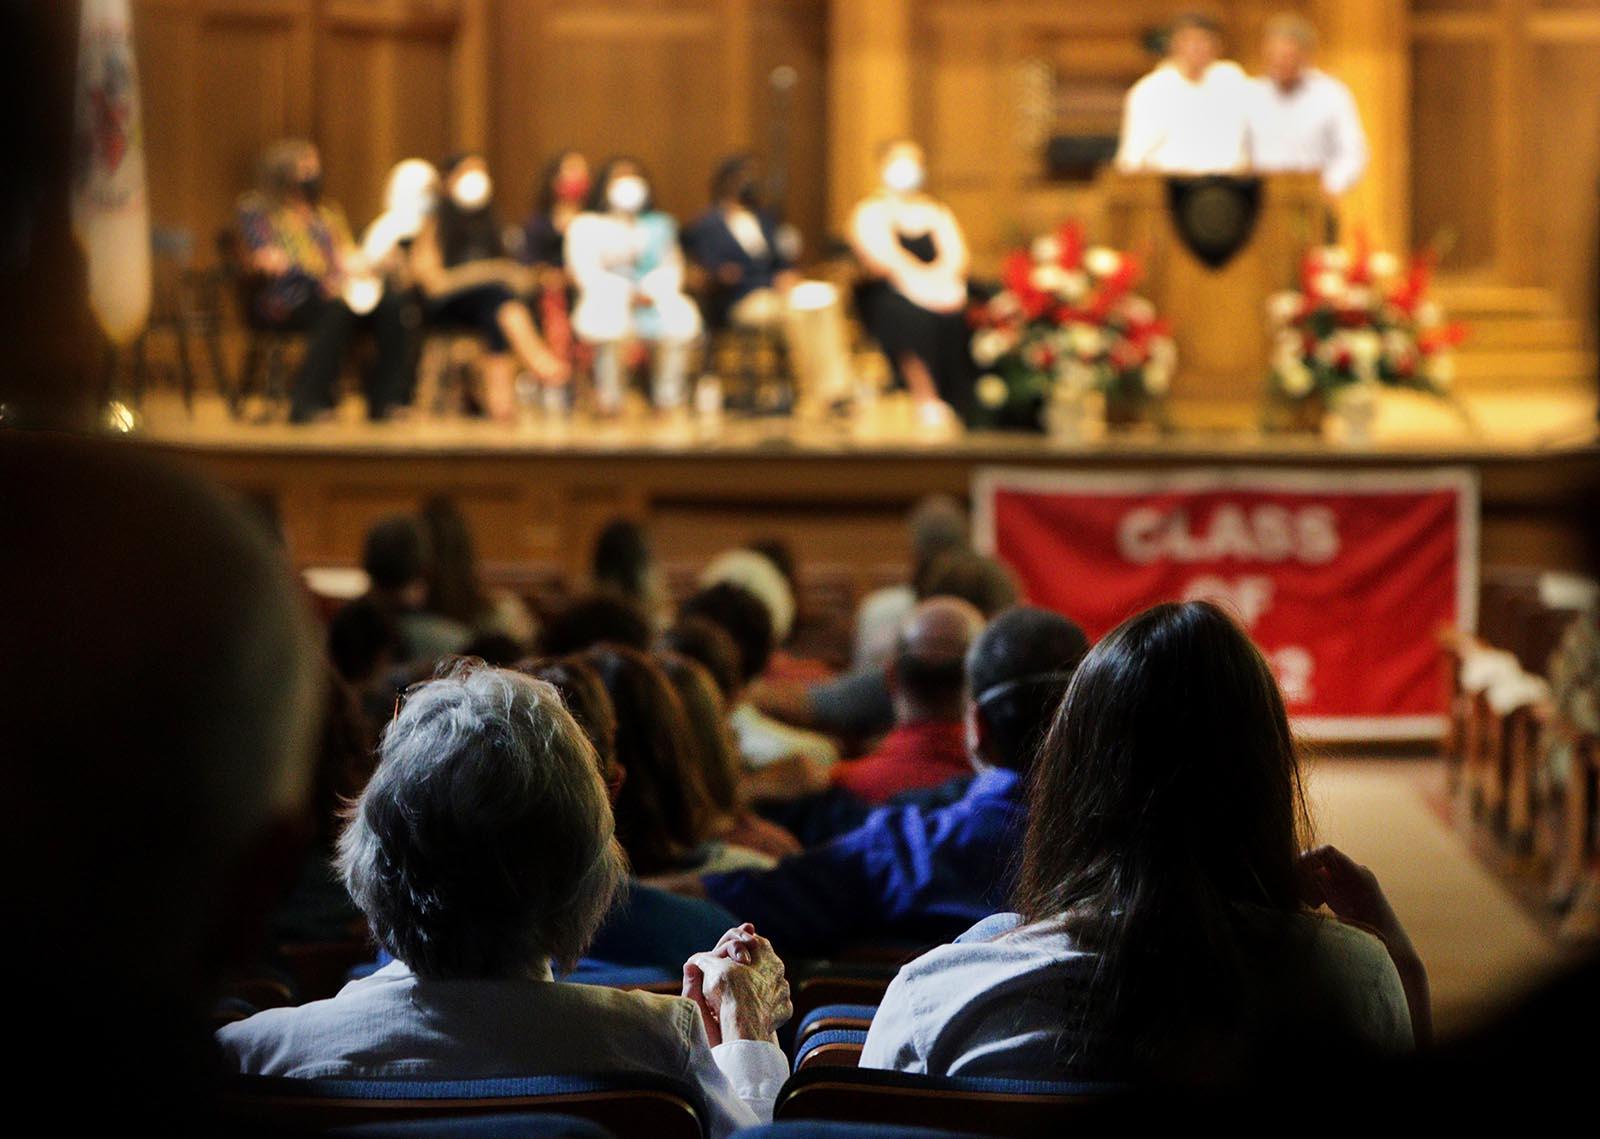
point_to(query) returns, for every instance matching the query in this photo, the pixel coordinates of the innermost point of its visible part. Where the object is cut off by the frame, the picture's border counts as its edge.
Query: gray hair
(483, 845)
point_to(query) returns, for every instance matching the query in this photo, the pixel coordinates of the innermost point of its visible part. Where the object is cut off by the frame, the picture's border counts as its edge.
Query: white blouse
(999, 1000)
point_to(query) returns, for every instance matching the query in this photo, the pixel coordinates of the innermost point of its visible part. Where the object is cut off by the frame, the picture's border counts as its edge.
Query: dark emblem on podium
(1214, 215)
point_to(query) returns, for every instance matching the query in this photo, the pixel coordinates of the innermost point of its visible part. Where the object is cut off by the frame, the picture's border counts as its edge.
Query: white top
(394, 1025)
(995, 1002)
(763, 741)
(1173, 125)
(876, 226)
(878, 620)
(746, 230)
(1314, 127)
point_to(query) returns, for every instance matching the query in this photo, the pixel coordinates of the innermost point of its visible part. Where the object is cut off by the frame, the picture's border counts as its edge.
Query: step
(1464, 300)
(1519, 332)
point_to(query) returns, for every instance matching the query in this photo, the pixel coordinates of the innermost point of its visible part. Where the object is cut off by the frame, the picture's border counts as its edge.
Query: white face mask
(903, 175)
(471, 191)
(627, 194)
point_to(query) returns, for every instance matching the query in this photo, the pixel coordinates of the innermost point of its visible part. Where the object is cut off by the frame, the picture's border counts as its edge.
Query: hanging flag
(110, 210)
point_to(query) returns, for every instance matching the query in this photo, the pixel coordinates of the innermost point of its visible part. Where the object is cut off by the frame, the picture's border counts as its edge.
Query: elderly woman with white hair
(481, 851)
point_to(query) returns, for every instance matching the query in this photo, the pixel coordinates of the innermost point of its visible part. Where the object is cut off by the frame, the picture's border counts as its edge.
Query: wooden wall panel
(1565, 149)
(1453, 149)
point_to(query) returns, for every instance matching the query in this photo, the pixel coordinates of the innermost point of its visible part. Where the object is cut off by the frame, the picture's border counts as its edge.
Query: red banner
(1342, 578)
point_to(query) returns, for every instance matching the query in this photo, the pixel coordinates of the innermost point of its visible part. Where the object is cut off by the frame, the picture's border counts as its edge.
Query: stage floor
(537, 491)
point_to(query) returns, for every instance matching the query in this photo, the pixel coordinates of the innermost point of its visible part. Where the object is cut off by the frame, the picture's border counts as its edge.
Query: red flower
(1070, 238)
(1359, 274)
(1419, 275)
(1449, 336)
(1017, 276)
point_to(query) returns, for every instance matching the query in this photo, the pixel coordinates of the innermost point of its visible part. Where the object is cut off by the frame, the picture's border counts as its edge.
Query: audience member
(920, 872)
(914, 257)
(597, 619)
(928, 687)
(785, 666)
(719, 760)
(646, 926)
(937, 523)
(300, 250)
(665, 815)
(460, 263)
(624, 257)
(748, 621)
(858, 705)
(396, 557)
(475, 884)
(622, 563)
(157, 770)
(455, 588)
(1165, 927)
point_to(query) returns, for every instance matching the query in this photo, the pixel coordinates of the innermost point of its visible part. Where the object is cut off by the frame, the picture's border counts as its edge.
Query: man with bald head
(928, 685)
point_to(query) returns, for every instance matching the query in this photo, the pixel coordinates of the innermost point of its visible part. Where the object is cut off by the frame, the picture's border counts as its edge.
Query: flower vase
(1066, 417)
(1356, 409)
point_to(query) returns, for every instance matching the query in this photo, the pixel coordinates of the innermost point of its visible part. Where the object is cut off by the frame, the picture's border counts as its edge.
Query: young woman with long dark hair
(1165, 927)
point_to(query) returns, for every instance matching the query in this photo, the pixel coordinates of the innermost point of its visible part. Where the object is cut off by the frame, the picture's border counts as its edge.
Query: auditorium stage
(536, 492)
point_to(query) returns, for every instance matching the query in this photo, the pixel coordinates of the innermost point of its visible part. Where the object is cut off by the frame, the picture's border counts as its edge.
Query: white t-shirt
(1172, 125)
(999, 1000)
(1313, 127)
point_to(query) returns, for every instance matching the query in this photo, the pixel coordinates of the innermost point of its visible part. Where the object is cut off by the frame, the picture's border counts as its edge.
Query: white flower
(1282, 307)
(1157, 378)
(1102, 262)
(1005, 305)
(1357, 296)
(1440, 369)
(1329, 283)
(1047, 278)
(1294, 377)
(1383, 265)
(1086, 340)
(1074, 283)
(1164, 350)
(1286, 345)
(1366, 349)
(1429, 315)
(991, 391)
(1046, 250)
(1333, 257)
(989, 344)
(1138, 310)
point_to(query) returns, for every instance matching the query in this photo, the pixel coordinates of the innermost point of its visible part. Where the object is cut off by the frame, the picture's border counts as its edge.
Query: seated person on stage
(928, 744)
(475, 883)
(1302, 118)
(300, 247)
(914, 872)
(858, 704)
(623, 255)
(1188, 116)
(646, 926)
(395, 555)
(741, 250)
(936, 524)
(563, 189)
(1167, 928)
(718, 765)
(914, 302)
(666, 819)
(744, 617)
(410, 195)
(460, 264)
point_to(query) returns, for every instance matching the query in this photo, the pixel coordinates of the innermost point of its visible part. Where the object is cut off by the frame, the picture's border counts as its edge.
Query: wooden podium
(1218, 315)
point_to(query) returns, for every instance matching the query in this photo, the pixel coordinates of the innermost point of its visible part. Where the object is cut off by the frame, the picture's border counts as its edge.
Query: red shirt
(923, 754)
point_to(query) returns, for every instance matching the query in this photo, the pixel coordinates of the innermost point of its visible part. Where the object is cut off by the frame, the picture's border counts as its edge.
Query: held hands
(1329, 877)
(739, 987)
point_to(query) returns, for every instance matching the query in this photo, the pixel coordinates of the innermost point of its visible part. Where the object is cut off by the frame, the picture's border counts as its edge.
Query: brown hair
(708, 720)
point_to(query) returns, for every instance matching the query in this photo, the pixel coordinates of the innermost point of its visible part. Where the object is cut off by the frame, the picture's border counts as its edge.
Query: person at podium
(1188, 115)
(1300, 117)
(914, 299)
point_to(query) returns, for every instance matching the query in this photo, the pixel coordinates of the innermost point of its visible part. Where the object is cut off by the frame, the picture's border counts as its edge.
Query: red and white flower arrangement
(1360, 316)
(1067, 322)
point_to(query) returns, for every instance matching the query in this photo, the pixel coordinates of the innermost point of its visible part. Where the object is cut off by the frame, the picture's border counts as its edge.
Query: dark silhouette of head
(1017, 672)
(1165, 803)
(743, 616)
(599, 619)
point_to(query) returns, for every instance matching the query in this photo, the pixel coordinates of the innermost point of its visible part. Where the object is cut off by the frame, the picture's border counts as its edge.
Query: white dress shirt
(999, 999)
(1314, 126)
(1174, 125)
(395, 1025)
